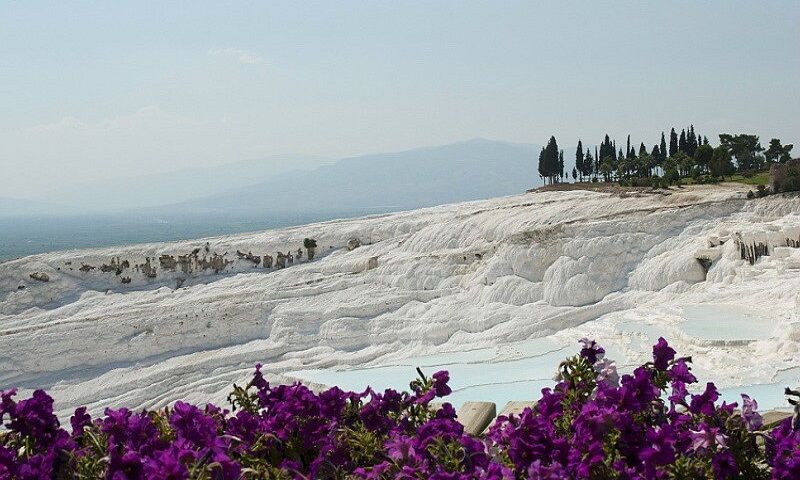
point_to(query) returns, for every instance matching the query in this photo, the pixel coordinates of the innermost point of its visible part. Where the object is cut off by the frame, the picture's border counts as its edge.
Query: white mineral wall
(448, 278)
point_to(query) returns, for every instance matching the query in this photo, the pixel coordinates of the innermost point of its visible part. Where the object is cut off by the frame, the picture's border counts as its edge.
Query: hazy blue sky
(100, 89)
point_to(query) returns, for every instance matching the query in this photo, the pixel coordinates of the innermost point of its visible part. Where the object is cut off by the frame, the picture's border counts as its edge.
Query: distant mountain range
(469, 170)
(298, 185)
(150, 190)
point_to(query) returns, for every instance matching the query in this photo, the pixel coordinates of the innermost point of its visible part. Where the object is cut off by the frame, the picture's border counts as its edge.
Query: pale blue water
(37, 234)
(482, 375)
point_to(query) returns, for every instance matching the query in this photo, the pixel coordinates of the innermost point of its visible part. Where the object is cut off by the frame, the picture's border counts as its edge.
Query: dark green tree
(596, 161)
(662, 154)
(642, 150)
(702, 157)
(787, 153)
(673, 142)
(628, 147)
(549, 167)
(745, 148)
(588, 164)
(607, 168)
(774, 151)
(691, 141)
(683, 162)
(721, 163)
(544, 173)
(574, 174)
(682, 142)
(777, 152)
(579, 158)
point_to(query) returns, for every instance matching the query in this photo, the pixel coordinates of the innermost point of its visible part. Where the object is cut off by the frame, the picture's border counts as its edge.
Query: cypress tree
(588, 164)
(543, 174)
(691, 141)
(596, 160)
(642, 150)
(574, 174)
(682, 142)
(548, 163)
(628, 147)
(561, 163)
(673, 142)
(579, 159)
(662, 154)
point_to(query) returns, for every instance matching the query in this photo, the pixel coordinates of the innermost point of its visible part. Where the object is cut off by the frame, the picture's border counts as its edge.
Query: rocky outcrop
(168, 262)
(280, 260)
(40, 277)
(147, 268)
(249, 257)
(353, 243)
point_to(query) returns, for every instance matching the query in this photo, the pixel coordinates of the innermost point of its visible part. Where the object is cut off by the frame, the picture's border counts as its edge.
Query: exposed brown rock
(168, 262)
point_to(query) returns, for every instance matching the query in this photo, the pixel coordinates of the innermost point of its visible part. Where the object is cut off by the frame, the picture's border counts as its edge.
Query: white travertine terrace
(455, 278)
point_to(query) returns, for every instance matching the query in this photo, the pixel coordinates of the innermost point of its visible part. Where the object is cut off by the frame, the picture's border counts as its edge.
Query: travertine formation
(480, 278)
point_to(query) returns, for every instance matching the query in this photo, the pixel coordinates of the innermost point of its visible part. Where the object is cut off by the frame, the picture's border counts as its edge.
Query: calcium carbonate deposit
(496, 291)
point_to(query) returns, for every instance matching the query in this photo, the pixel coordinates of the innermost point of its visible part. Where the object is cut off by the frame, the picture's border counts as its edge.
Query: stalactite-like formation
(754, 251)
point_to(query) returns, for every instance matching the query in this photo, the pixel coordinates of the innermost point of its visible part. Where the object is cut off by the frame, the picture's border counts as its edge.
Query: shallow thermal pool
(518, 371)
(726, 322)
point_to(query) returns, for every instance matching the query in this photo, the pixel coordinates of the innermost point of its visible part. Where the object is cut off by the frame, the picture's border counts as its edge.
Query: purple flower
(80, 420)
(662, 354)
(607, 372)
(704, 403)
(706, 438)
(750, 413)
(680, 372)
(591, 351)
(724, 465)
(440, 386)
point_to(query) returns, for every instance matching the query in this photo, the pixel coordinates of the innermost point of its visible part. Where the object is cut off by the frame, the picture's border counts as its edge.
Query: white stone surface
(448, 279)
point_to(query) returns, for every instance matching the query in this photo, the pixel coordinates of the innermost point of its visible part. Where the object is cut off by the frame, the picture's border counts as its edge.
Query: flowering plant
(592, 424)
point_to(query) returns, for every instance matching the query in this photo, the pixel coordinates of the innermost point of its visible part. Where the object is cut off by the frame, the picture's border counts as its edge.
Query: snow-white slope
(481, 277)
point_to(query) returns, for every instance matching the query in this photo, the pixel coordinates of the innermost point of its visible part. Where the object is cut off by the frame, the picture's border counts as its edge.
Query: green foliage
(309, 243)
(777, 152)
(745, 148)
(549, 164)
(702, 156)
(721, 163)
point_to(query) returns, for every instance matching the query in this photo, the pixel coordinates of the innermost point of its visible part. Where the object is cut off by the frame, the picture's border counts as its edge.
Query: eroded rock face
(40, 277)
(280, 260)
(216, 263)
(147, 268)
(267, 261)
(353, 243)
(372, 263)
(249, 257)
(779, 171)
(168, 262)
